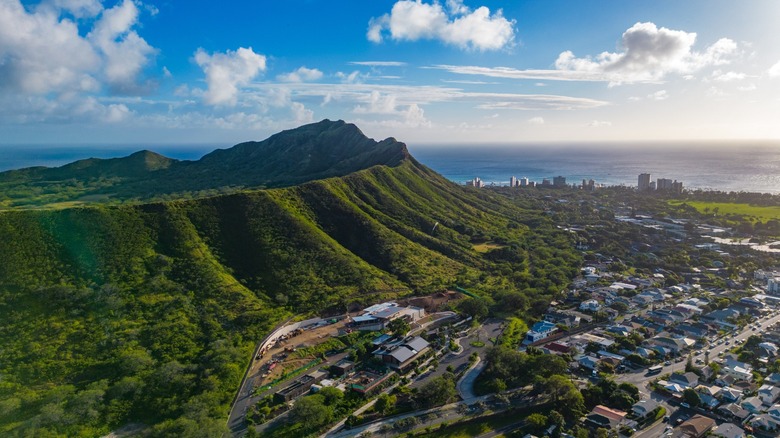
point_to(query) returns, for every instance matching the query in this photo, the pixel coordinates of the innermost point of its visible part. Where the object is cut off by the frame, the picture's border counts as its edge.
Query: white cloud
(599, 124)
(648, 54)
(457, 25)
(302, 74)
(378, 104)
(748, 87)
(379, 63)
(658, 95)
(373, 97)
(125, 52)
(355, 77)
(226, 72)
(774, 71)
(731, 76)
(536, 120)
(42, 51)
(79, 8)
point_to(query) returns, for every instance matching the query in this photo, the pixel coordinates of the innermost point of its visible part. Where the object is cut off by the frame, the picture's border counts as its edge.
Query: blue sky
(92, 72)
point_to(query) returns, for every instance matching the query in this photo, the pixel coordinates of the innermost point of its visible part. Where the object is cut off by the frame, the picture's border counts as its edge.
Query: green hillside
(149, 313)
(315, 151)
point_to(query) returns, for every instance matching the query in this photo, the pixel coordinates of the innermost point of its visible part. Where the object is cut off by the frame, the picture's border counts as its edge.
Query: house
(539, 331)
(734, 412)
(697, 426)
(590, 306)
(774, 411)
(753, 404)
(342, 368)
(559, 347)
(400, 356)
(765, 423)
(738, 370)
(730, 395)
(768, 394)
(708, 396)
(687, 380)
(729, 430)
(602, 416)
(773, 379)
(769, 347)
(589, 362)
(695, 330)
(675, 345)
(644, 407)
(619, 330)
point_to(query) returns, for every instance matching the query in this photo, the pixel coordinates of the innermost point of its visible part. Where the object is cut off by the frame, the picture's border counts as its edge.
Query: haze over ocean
(737, 166)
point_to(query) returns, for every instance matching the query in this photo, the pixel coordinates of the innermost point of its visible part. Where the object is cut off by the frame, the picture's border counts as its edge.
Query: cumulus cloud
(647, 54)
(599, 124)
(42, 51)
(536, 120)
(774, 71)
(226, 72)
(302, 74)
(455, 24)
(124, 51)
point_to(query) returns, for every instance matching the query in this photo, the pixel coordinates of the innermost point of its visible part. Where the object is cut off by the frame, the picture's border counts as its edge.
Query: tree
(537, 422)
(476, 308)
(311, 412)
(689, 368)
(399, 326)
(385, 403)
(331, 395)
(436, 392)
(691, 397)
(556, 419)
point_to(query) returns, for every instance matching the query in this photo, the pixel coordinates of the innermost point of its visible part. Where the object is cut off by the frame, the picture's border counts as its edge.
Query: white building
(773, 285)
(591, 305)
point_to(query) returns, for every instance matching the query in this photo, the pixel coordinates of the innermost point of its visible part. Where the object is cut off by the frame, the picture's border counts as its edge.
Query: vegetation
(149, 313)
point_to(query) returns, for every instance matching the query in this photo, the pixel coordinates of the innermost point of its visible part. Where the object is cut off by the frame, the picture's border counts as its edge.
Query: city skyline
(425, 72)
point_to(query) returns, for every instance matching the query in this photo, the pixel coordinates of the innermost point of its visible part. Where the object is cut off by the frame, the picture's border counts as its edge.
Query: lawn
(754, 212)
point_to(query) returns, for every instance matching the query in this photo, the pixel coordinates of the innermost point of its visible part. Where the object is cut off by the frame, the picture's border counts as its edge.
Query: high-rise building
(663, 184)
(476, 182)
(523, 182)
(545, 182)
(643, 182)
(513, 182)
(677, 186)
(559, 181)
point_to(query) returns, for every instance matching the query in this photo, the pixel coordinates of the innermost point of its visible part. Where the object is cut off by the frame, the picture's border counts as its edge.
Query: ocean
(750, 167)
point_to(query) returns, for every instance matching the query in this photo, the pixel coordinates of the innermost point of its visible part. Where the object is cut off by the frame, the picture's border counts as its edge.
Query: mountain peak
(314, 151)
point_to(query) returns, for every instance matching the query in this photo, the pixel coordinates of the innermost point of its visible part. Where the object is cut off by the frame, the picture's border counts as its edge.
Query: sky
(437, 72)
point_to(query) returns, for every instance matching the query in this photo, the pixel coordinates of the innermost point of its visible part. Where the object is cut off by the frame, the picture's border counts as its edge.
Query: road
(640, 378)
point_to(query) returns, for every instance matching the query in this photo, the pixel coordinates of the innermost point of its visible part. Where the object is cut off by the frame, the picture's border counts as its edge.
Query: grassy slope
(148, 313)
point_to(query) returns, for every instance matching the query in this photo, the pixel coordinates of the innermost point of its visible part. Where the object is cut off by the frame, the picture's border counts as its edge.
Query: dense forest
(148, 313)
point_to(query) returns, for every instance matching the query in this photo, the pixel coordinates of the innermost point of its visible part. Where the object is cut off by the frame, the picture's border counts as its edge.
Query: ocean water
(738, 166)
(749, 167)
